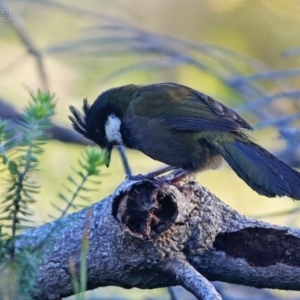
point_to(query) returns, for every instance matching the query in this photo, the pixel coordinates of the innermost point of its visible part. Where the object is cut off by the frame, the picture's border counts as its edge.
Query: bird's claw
(141, 177)
(138, 177)
(162, 180)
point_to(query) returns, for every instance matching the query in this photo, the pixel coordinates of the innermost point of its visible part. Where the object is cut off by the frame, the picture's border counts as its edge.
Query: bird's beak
(107, 154)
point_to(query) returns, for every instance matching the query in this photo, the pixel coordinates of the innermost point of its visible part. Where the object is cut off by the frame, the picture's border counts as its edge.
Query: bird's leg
(181, 174)
(179, 177)
(152, 175)
(160, 172)
(174, 181)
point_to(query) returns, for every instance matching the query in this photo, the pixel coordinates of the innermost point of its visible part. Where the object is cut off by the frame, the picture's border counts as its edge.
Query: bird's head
(100, 122)
(94, 123)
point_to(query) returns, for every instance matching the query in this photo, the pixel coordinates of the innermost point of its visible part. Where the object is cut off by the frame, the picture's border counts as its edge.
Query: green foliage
(92, 160)
(20, 149)
(80, 286)
(18, 282)
(90, 163)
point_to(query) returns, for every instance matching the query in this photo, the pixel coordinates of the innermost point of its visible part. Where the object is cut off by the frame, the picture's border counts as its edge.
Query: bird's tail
(261, 170)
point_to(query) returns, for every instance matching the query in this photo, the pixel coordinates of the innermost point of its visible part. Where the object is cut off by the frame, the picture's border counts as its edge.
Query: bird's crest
(79, 121)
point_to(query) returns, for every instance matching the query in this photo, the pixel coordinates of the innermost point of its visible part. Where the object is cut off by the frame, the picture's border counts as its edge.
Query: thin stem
(70, 203)
(27, 40)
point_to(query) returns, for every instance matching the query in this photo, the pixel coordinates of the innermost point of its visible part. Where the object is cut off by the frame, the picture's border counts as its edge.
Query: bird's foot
(138, 177)
(160, 172)
(178, 176)
(180, 180)
(151, 175)
(177, 180)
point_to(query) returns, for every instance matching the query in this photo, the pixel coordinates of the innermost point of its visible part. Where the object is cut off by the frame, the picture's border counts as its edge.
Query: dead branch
(149, 234)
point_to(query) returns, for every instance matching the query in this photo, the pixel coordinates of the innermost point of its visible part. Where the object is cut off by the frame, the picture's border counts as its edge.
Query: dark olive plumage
(186, 129)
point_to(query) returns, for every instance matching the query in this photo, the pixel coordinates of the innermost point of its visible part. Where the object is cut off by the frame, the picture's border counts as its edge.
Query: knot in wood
(145, 210)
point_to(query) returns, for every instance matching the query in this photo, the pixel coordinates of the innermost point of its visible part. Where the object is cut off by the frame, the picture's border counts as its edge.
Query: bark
(151, 234)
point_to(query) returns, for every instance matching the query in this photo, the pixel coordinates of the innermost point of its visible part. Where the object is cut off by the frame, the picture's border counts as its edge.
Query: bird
(184, 129)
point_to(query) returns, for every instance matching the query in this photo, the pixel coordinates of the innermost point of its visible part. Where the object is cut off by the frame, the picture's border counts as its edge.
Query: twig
(277, 122)
(268, 75)
(172, 293)
(19, 27)
(191, 279)
(291, 52)
(259, 103)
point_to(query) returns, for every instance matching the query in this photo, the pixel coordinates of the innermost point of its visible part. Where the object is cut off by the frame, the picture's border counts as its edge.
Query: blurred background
(243, 53)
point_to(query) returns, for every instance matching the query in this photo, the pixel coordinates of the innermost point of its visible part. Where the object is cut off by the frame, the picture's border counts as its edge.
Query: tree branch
(189, 278)
(149, 234)
(20, 29)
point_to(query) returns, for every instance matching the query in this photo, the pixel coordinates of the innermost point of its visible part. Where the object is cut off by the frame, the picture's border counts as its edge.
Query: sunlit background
(89, 46)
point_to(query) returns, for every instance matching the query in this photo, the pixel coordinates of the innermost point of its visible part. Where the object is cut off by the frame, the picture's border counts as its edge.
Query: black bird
(186, 129)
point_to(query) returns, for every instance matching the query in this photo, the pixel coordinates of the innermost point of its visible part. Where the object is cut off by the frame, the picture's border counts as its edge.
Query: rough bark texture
(149, 234)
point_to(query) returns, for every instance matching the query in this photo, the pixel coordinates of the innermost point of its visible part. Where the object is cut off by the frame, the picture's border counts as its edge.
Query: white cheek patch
(112, 130)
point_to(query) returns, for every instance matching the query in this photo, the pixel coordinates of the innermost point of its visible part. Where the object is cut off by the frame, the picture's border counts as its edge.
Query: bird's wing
(200, 112)
(184, 109)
